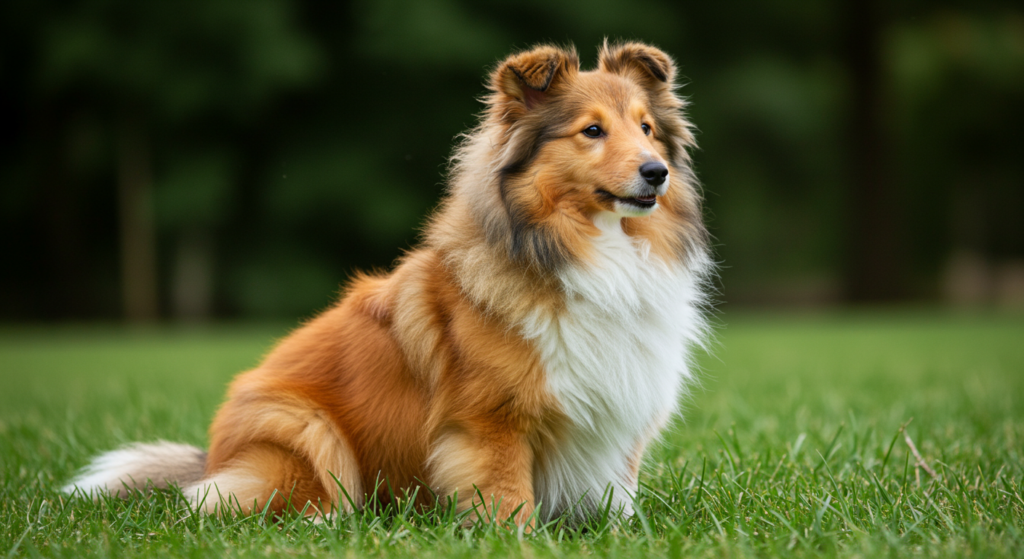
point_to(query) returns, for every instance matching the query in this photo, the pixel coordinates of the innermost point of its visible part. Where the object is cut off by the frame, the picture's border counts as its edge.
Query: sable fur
(527, 351)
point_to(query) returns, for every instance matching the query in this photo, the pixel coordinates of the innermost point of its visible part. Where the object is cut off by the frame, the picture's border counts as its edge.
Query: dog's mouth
(647, 201)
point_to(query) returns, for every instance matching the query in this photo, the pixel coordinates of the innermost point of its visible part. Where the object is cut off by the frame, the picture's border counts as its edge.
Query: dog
(522, 357)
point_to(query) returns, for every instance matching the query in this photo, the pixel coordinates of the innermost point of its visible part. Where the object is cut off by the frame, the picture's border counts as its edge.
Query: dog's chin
(627, 208)
(639, 206)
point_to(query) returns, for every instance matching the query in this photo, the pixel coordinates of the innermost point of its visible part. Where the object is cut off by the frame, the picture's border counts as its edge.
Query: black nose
(654, 173)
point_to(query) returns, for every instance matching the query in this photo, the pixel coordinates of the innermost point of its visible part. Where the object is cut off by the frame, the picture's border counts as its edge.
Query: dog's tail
(140, 466)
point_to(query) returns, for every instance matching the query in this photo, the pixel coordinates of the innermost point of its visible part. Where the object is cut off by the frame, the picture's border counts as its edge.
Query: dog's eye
(593, 131)
(646, 128)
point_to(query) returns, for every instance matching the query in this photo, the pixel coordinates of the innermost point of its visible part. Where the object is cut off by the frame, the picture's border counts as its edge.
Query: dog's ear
(645, 63)
(528, 79)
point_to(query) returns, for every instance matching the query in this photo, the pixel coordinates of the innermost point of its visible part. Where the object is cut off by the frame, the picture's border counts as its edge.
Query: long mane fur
(480, 227)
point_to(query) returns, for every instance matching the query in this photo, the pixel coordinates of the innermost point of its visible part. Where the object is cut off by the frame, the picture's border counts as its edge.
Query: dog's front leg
(488, 467)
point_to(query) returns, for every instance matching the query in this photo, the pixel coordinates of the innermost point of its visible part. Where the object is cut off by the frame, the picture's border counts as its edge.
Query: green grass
(793, 445)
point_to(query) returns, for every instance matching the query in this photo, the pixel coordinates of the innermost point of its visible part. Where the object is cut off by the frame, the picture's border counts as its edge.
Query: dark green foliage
(292, 142)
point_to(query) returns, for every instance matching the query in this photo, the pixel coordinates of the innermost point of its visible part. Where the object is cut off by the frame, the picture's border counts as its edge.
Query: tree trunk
(875, 265)
(138, 235)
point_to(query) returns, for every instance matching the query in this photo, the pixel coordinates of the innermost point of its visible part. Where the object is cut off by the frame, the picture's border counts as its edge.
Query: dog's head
(570, 144)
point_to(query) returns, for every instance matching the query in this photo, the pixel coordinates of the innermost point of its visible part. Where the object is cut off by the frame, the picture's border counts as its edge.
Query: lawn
(799, 441)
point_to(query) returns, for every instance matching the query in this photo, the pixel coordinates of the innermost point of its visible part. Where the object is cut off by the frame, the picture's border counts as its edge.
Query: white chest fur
(616, 360)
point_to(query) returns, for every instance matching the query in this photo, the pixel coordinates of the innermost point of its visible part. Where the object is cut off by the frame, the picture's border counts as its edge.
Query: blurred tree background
(214, 158)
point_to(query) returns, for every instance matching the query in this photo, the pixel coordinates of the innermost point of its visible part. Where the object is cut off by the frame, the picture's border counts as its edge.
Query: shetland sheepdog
(522, 357)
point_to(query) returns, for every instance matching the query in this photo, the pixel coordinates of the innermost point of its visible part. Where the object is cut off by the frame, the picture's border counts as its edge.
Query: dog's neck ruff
(616, 359)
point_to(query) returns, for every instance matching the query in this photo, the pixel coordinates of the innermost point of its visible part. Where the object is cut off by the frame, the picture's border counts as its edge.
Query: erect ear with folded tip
(649, 65)
(527, 80)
